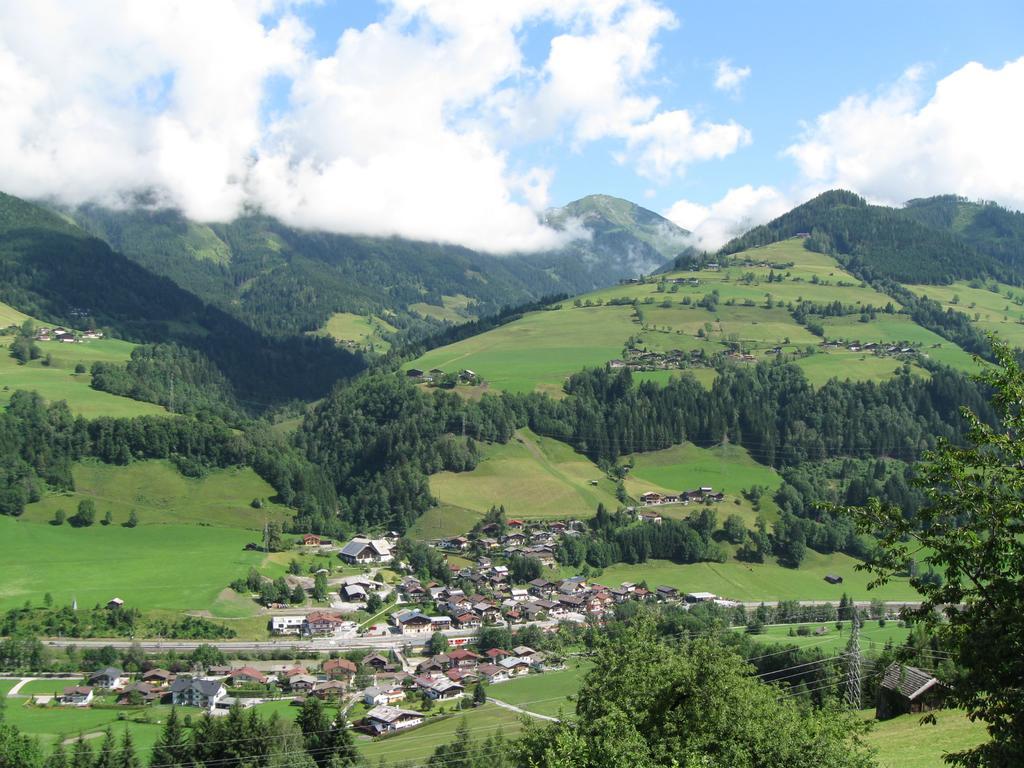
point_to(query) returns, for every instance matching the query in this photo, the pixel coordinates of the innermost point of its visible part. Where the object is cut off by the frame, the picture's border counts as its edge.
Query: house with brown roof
(339, 669)
(247, 676)
(385, 719)
(906, 689)
(76, 696)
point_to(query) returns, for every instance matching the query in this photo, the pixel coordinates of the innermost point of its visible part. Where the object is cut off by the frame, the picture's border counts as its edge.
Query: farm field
(988, 310)
(48, 724)
(170, 567)
(58, 381)
(416, 745)
(903, 742)
(727, 468)
(453, 309)
(533, 476)
(362, 329)
(443, 520)
(10, 316)
(538, 351)
(751, 582)
(160, 494)
(546, 694)
(872, 637)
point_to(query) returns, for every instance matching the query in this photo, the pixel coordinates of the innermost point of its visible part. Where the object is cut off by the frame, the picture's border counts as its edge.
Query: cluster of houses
(703, 495)
(66, 336)
(500, 602)
(465, 376)
(534, 540)
(314, 624)
(648, 360)
(880, 350)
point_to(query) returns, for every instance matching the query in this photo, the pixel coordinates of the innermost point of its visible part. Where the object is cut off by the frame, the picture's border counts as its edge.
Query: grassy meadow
(750, 582)
(160, 494)
(453, 309)
(994, 311)
(58, 380)
(872, 636)
(538, 351)
(533, 476)
(727, 468)
(903, 742)
(362, 330)
(551, 693)
(169, 567)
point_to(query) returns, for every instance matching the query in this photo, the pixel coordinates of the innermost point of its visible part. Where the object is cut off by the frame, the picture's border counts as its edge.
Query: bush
(86, 514)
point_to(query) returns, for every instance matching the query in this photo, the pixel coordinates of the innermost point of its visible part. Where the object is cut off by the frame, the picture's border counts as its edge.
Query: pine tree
(81, 754)
(59, 757)
(479, 695)
(172, 748)
(127, 757)
(342, 745)
(107, 757)
(315, 727)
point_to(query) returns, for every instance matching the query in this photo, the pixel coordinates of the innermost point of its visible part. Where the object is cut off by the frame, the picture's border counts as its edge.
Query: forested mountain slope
(874, 241)
(283, 280)
(55, 271)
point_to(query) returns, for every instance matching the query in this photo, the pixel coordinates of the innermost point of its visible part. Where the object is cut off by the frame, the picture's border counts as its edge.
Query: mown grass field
(872, 636)
(415, 746)
(533, 476)
(453, 309)
(171, 567)
(768, 581)
(538, 351)
(727, 468)
(551, 693)
(48, 724)
(903, 742)
(993, 311)
(364, 330)
(160, 494)
(58, 381)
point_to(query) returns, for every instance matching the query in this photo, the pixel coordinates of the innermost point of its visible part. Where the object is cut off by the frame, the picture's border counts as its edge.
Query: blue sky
(458, 120)
(804, 58)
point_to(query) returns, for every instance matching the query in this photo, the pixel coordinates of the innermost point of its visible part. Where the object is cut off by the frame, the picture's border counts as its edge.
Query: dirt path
(528, 713)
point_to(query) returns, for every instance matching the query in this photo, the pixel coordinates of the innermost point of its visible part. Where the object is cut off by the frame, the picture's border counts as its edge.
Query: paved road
(506, 705)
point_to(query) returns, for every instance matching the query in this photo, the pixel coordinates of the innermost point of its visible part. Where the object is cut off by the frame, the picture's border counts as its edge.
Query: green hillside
(53, 375)
(991, 306)
(755, 294)
(534, 477)
(161, 495)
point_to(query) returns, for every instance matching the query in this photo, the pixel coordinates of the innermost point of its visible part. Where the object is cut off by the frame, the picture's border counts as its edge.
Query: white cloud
(729, 78)
(405, 128)
(670, 141)
(902, 143)
(737, 211)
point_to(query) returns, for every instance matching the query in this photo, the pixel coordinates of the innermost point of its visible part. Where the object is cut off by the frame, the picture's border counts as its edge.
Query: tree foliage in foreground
(649, 704)
(972, 528)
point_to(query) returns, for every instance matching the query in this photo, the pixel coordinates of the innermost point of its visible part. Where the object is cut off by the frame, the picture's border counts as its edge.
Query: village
(65, 336)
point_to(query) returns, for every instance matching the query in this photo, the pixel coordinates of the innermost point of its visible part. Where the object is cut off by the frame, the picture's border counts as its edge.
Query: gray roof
(205, 687)
(911, 682)
(390, 714)
(111, 672)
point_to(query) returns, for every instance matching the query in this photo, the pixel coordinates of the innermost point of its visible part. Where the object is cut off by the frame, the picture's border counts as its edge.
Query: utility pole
(853, 669)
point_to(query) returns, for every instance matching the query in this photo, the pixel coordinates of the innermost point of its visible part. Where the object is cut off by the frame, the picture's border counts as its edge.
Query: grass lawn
(768, 581)
(361, 329)
(727, 468)
(171, 567)
(51, 723)
(546, 694)
(10, 316)
(453, 309)
(444, 520)
(903, 742)
(858, 366)
(58, 381)
(894, 329)
(872, 637)
(415, 746)
(533, 476)
(160, 494)
(540, 350)
(988, 310)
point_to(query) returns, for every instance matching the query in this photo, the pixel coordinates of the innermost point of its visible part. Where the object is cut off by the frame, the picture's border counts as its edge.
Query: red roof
(333, 664)
(462, 653)
(494, 653)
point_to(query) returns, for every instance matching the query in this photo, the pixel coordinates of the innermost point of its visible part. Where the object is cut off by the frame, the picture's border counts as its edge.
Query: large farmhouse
(362, 551)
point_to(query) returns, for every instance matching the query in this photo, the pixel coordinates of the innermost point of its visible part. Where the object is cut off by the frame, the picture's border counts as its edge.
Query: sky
(462, 120)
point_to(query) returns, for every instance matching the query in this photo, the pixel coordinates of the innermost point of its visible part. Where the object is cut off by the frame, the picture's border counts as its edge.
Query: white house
(77, 695)
(361, 551)
(389, 719)
(197, 692)
(287, 625)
